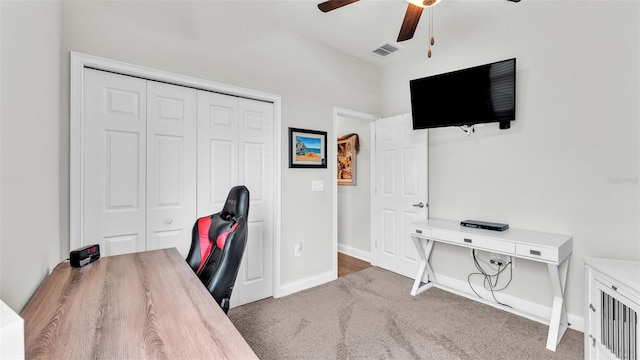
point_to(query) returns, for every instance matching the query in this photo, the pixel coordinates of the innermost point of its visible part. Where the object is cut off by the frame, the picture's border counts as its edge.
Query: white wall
(354, 233)
(226, 42)
(570, 162)
(1, 113)
(30, 237)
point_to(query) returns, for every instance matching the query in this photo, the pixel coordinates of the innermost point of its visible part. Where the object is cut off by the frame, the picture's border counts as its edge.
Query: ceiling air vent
(385, 50)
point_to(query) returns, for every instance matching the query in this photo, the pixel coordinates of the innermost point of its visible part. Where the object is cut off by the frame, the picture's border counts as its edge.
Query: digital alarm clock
(84, 255)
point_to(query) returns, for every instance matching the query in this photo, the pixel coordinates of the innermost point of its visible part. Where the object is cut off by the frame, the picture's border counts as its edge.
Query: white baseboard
(303, 284)
(356, 253)
(538, 312)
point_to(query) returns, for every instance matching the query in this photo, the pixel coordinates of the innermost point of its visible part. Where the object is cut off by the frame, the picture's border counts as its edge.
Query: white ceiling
(359, 27)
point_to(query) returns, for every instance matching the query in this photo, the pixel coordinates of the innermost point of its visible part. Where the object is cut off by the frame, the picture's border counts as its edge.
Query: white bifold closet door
(139, 164)
(157, 156)
(235, 146)
(171, 166)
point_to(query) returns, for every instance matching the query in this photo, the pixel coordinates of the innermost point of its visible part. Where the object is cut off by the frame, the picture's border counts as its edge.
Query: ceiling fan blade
(410, 22)
(334, 4)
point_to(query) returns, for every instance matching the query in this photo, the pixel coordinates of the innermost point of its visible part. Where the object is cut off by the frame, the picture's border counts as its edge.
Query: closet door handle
(420, 205)
(168, 221)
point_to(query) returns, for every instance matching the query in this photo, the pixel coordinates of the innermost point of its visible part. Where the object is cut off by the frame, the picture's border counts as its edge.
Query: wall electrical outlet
(497, 260)
(297, 249)
(502, 260)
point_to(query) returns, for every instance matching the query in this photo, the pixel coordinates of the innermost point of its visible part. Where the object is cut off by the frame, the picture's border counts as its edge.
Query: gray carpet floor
(371, 315)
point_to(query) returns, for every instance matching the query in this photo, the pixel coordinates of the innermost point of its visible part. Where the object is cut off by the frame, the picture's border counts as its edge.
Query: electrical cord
(61, 262)
(488, 282)
(492, 286)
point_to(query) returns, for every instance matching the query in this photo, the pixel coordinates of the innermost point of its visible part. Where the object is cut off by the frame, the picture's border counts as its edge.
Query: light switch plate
(317, 185)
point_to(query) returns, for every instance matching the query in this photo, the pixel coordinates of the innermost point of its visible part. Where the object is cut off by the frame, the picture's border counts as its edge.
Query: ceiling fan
(411, 16)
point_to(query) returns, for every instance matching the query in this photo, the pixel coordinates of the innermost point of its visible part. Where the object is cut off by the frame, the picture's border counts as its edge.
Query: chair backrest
(217, 245)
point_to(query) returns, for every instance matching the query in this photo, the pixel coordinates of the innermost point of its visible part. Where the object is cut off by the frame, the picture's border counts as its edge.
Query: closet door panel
(254, 263)
(171, 170)
(222, 178)
(217, 150)
(254, 168)
(255, 277)
(114, 162)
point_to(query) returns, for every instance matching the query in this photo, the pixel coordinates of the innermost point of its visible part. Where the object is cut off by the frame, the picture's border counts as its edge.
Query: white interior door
(400, 192)
(171, 166)
(235, 146)
(114, 162)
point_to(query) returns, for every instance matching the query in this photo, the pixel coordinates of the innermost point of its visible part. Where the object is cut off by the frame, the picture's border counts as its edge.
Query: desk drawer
(537, 252)
(450, 236)
(419, 231)
(505, 247)
(473, 241)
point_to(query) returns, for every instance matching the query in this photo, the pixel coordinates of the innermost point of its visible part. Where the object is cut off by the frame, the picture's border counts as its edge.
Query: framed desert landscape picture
(347, 161)
(307, 148)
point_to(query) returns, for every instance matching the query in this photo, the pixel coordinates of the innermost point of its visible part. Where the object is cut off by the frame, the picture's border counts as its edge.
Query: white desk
(552, 249)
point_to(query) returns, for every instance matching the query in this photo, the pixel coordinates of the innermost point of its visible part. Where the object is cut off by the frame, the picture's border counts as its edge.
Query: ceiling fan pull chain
(431, 42)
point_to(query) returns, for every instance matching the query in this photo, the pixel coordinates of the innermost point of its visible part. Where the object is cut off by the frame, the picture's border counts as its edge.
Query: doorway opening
(353, 199)
(349, 264)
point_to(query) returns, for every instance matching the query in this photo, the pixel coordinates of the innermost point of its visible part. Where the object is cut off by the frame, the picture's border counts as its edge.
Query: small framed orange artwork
(347, 161)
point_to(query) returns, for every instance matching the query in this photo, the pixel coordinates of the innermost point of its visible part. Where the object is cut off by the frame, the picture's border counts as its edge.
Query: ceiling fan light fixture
(424, 3)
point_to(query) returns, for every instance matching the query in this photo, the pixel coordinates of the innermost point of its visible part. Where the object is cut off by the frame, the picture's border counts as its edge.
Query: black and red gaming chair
(217, 245)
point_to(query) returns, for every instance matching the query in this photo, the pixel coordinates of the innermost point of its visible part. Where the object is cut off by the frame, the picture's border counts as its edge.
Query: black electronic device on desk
(84, 255)
(484, 225)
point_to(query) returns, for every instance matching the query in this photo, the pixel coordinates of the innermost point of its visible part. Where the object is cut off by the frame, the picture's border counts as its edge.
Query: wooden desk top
(147, 305)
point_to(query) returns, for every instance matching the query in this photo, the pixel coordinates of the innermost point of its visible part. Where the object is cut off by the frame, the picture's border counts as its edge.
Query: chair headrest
(237, 204)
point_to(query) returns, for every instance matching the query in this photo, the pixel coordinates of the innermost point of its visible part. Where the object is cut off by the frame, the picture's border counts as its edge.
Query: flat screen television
(480, 94)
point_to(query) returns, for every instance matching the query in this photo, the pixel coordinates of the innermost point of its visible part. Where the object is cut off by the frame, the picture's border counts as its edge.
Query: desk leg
(558, 323)
(424, 247)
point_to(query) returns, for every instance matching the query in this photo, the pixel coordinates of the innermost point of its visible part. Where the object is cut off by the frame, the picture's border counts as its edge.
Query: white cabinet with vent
(612, 307)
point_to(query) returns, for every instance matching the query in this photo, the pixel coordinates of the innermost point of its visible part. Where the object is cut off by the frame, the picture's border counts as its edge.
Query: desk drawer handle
(418, 231)
(467, 240)
(535, 252)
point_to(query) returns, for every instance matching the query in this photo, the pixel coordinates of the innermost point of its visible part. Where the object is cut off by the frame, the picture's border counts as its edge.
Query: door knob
(420, 204)
(168, 220)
